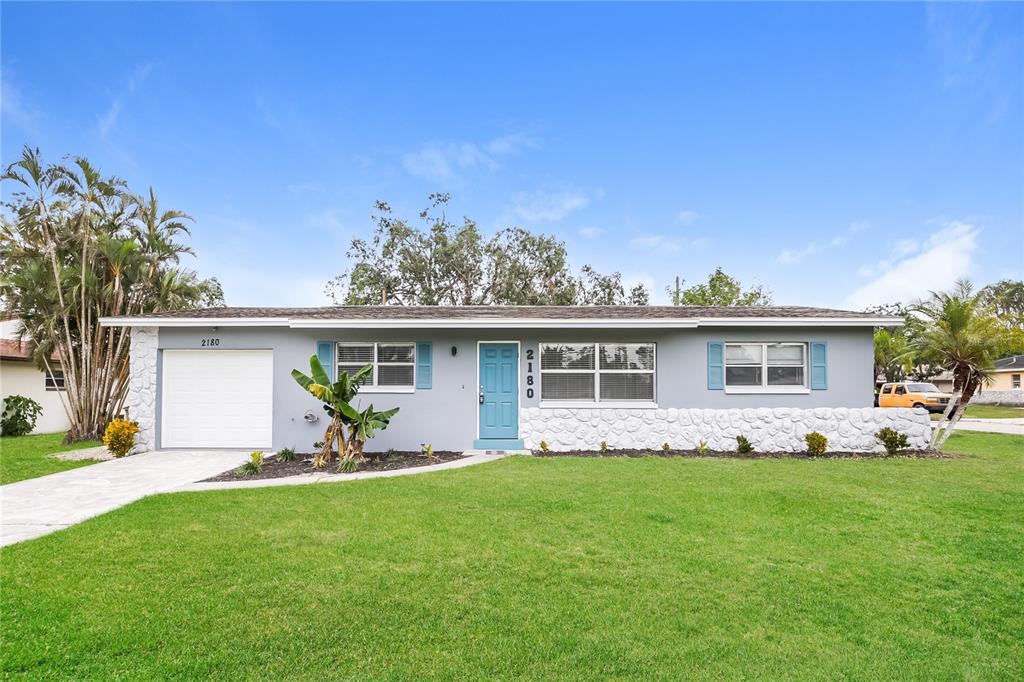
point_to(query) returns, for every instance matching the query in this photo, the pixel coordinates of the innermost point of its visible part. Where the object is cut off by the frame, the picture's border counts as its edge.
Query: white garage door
(217, 398)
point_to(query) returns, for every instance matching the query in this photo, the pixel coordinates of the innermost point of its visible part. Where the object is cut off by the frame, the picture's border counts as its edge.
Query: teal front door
(499, 391)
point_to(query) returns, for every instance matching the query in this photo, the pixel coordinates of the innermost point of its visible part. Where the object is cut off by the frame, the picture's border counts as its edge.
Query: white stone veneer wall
(779, 429)
(141, 399)
(1011, 397)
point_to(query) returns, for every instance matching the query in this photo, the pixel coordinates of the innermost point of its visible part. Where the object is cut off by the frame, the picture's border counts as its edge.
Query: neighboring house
(1005, 389)
(505, 377)
(20, 376)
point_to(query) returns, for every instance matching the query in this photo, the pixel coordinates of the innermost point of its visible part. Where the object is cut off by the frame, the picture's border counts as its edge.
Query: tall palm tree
(961, 337)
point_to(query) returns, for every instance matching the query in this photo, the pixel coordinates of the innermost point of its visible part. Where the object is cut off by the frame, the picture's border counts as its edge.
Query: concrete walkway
(46, 504)
(305, 479)
(1014, 426)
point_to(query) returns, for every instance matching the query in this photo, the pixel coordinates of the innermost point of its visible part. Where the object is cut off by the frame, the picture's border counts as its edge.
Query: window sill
(388, 389)
(574, 405)
(780, 390)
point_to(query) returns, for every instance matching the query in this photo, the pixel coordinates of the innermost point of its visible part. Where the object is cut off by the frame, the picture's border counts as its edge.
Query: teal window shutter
(716, 365)
(819, 365)
(424, 361)
(325, 354)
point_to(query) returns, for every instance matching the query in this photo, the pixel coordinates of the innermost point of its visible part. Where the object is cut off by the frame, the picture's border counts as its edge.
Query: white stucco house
(20, 376)
(510, 377)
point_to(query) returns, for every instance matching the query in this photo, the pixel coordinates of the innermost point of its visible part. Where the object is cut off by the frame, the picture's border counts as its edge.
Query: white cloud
(445, 161)
(106, 122)
(687, 218)
(660, 242)
(13, 104)
(905, 247)
(590, 232)
(947, 255)
(793, 256)
(548, 207)
(326, 219)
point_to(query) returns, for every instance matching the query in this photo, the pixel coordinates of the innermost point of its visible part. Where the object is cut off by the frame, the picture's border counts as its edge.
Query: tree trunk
(954, 402)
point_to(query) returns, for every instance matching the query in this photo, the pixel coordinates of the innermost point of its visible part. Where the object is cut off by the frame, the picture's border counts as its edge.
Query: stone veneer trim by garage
(141, 398)
(779, 429)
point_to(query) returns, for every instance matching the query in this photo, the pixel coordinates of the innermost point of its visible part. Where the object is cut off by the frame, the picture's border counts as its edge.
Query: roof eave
(501, 323)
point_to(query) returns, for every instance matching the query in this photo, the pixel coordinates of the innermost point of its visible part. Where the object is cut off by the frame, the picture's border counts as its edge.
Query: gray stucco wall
(446, 415)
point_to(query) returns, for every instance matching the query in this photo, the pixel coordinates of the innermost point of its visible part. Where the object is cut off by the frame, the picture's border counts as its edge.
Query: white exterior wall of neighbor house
(21, 377)
(446, 414)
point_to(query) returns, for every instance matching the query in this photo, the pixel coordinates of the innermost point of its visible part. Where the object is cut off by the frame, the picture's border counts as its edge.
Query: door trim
(519, 393)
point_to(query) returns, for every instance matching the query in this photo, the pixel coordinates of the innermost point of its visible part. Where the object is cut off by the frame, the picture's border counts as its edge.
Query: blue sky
(840, 154)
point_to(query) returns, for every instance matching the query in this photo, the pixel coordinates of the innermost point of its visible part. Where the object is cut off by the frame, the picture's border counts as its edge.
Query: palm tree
(78, 247)
(960, 337)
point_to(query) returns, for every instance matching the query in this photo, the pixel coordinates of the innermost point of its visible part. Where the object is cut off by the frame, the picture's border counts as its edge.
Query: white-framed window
(394, 364)
(1015, 381)
(766, 367)
(597, 372)
(54, 381)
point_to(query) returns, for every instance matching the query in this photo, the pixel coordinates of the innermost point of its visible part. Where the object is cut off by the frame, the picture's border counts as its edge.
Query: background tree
(963, 337)
(1005, 301)
(449, 263)
(76, 246)
(719, 290)
(893, 354)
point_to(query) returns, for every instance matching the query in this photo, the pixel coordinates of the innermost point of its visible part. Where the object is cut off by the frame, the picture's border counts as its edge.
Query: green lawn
(534, 568)
(990, 412)
(24, 457)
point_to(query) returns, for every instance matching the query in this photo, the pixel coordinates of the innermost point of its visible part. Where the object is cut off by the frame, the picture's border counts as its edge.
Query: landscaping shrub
(544, 447)
(286, 455)
(665, 447)
(604, 446)
(893, 440)
(253, 466)
(816, 444)
(702, 446)
(743, 445)
(427, 449)
(119, 436)
(19, 416)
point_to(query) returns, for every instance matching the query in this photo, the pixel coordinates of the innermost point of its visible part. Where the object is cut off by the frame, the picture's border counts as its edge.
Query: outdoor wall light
(455, 351)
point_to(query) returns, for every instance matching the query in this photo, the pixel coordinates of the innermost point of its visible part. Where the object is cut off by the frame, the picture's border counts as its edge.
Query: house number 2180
(209, 343)
(529, 373)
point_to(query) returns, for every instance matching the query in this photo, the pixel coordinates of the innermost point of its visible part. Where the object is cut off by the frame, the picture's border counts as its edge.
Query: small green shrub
(427, 450)
(665, 447)
(253, 466)
(347, 465)
(544, 447)
(19, 415)
(816, 444)
(892, 440)
(119, 437)
(286, 455)
(743, 445)
(604, 446)
(702, 446)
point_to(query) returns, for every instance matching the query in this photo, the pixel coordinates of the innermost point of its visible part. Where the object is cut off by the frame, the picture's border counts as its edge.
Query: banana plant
(337, 399)
(363, 427)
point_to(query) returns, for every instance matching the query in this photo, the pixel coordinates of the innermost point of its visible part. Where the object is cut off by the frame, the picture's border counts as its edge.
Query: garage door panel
(217, 398)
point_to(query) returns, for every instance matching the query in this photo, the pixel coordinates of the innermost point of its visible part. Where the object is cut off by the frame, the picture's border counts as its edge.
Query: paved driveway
(46, 504)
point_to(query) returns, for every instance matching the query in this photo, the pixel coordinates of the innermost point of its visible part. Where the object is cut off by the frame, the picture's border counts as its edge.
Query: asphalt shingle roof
(597, 312)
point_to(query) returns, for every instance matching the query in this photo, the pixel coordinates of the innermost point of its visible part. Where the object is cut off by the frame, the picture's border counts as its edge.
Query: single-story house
(509, 377)
(1006, 387)
(19, 375)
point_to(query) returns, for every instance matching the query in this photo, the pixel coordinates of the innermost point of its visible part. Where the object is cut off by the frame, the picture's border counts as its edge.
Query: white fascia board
(491, 323)
(193, 322)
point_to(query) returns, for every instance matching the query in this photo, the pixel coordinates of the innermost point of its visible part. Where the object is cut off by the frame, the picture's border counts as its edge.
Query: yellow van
(913, 394)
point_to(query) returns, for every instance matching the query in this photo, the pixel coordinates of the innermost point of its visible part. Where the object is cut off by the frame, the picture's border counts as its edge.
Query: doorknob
(481, 398)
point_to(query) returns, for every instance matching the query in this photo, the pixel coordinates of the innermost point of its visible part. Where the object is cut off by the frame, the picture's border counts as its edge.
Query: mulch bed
(375, 461)
(906, 454)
